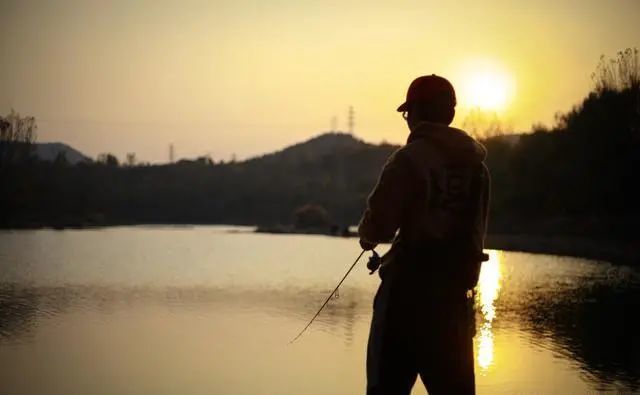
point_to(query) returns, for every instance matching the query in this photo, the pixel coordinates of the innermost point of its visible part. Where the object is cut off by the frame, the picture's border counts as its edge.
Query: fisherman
(431, 200)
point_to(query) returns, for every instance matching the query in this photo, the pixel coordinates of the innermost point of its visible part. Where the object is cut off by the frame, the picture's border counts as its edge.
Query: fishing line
(328, 298)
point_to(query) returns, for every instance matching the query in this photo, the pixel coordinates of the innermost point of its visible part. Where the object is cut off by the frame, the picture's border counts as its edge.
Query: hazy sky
(247, 77)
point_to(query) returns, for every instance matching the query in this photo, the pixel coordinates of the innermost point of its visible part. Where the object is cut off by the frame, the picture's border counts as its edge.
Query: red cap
(426, 88)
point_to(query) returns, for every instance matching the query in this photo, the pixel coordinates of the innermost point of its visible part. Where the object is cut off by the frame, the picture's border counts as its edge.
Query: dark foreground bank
(614, 251)
(617, 252)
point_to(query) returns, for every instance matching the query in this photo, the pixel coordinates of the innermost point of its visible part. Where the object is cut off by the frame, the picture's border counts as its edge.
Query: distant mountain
(335, 170)
(326, 144)
(50, 151)
(323, 144)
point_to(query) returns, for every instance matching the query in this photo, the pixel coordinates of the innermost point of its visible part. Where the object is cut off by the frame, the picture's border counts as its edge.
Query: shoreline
(617, 252)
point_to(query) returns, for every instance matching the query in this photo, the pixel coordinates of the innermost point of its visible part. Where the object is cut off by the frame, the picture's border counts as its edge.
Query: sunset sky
(247, 77)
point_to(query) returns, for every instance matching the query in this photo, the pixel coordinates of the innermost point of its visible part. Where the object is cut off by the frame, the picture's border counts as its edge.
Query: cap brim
(403, 107)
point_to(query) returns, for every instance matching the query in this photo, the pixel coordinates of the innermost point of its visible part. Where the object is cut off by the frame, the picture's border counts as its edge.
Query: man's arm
(386, 203)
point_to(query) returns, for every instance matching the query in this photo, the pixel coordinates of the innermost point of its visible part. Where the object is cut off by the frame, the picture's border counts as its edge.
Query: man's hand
(366, 245)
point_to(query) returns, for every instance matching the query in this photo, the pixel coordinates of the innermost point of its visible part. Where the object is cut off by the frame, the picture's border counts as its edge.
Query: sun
(486, 87)
(488, 91)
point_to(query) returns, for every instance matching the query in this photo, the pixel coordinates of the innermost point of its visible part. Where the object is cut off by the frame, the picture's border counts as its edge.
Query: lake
(211, 310)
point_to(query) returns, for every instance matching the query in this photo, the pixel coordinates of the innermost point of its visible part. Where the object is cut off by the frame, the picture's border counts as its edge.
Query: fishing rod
(329, 298)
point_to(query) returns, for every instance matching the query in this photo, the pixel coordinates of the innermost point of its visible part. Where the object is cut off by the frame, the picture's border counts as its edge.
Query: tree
(61, 160)
(311, 216)
(204, 160)
(484, 124)
(17, 135)
(108, 159)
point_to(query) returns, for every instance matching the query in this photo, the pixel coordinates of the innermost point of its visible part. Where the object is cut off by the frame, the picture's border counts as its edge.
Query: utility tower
(334, 123)
(171, 153)
(131, 159)
(351, 119)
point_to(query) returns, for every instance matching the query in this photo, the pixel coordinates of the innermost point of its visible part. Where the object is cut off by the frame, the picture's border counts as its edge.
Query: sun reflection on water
(488, 291)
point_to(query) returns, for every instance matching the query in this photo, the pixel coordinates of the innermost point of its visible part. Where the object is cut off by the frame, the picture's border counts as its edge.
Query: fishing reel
(374, 262)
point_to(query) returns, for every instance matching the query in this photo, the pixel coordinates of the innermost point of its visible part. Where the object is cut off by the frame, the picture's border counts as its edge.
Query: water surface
(210, 310)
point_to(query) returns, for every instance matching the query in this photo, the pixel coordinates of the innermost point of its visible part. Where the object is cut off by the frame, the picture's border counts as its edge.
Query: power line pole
(171, 153)
(351, 119)
(334, 123)
(131, 159)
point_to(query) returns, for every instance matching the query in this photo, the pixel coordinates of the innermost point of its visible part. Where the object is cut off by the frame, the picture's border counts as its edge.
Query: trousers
(420, 327)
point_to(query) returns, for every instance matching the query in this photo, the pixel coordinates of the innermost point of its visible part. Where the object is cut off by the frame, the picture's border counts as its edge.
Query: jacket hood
(455, 143)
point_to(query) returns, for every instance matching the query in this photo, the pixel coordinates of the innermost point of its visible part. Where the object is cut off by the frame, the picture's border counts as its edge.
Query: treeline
(335, 171)
(581, 176)
(578, 177)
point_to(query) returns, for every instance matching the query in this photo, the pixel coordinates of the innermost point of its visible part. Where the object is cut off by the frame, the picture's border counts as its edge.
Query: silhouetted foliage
(483, 124)
(108, 160)
(61, 160)
(311, 216)
(335, 171)
(579, 176)
(17, 134)
(618, 74)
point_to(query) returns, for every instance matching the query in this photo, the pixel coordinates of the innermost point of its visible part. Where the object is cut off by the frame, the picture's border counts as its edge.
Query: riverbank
(614, 251)
(620, 252)
(336, 231)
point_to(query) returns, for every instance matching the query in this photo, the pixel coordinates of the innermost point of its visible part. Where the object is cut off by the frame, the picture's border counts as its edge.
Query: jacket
(432, 198)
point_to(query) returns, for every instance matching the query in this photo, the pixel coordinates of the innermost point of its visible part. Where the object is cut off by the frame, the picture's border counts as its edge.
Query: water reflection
(592, 324)
(193, 294)
(595, 325)
(22, 307)
(18, 309)
(486, 297)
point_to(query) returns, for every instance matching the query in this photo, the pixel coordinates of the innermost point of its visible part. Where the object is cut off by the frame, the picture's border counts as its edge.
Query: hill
(50, 151)
(318, 146)
(334, 170)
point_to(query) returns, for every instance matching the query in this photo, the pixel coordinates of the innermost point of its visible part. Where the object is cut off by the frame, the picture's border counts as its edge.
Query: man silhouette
(434, 193)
